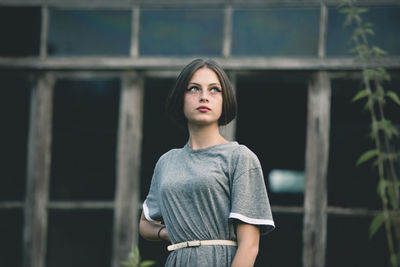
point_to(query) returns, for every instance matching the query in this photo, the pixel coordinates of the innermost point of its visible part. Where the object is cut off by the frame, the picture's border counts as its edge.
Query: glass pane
(11, 238)
(84, 139)
(285, 240)
(275, 32)
(20, 31)
(387, 34)
(272, 123)
(349, 138)
(14, 117)
(286, 181)
(89, 32)
(156, 122)
(181, 32)
(79, 238)
(348, 243)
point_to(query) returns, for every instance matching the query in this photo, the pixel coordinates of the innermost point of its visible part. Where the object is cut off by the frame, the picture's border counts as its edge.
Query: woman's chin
(203, 122)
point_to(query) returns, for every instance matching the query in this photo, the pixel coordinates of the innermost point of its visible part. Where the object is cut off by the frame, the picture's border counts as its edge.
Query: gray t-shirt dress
(199, 194)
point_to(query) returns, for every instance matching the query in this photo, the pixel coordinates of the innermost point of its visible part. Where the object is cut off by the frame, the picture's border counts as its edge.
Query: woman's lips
(203, 109)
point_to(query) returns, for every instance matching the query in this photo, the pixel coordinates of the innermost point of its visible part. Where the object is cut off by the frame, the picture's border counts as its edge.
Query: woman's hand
(152, 231)
(248, 238)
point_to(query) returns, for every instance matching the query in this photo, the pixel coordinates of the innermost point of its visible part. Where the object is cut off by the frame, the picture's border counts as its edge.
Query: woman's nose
(203, 96)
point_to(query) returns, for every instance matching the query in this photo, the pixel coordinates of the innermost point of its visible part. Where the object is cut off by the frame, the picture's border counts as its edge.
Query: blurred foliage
(383, 155)
(134, 259)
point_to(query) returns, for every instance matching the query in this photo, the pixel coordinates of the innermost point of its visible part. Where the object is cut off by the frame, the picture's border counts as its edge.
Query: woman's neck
(204, 136)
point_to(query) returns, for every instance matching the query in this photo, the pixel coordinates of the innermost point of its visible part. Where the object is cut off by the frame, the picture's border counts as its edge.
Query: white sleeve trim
(251, 220)
(146, 212)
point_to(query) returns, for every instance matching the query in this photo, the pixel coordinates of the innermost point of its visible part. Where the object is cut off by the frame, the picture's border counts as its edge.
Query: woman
(211, 190)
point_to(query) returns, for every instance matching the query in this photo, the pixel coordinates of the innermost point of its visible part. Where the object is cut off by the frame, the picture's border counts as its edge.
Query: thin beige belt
(198, 243)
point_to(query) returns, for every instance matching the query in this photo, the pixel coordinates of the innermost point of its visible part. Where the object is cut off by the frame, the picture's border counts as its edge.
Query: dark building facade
(82, 91)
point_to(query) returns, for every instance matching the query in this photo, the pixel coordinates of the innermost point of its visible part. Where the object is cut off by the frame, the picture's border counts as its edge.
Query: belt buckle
(194, 243)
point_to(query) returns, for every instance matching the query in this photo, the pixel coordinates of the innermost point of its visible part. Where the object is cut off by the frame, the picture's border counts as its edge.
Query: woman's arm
(248, 238)
(149, 230)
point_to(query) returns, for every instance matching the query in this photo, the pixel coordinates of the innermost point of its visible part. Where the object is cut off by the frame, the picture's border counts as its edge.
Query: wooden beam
(323, 25)
(127, 200)
(44, 29)
(134, 50)
(11, 204)
(163, 63)
(227, 39)
(317, 150)
(191, 3)
(70, 205)
(38, 173)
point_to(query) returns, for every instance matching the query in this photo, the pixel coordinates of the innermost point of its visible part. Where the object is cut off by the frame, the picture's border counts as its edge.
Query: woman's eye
(215, 90)
(193, 89)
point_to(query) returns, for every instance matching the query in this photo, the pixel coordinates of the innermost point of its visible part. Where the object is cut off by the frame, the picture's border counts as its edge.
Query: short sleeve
(151, 206)
(249, 199)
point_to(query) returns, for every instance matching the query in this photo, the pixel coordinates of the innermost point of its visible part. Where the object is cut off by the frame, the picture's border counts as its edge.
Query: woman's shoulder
(167, 156)
(245, 158)
(242, 151)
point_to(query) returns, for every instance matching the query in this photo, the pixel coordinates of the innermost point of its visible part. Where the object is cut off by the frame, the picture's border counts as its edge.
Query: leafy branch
(134, 259)
(383, 131)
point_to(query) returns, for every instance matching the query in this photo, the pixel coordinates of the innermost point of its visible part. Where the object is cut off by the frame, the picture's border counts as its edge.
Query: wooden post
(227, 41)
(128, 168)
(317, 151)
(38, 173)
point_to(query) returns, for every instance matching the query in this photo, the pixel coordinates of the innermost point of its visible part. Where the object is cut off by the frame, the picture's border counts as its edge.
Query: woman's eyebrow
(211, 84)
(214, 84)
(194, 83)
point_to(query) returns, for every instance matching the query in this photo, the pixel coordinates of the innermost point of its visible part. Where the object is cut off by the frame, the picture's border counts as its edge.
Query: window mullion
(127, 200)
(38, 173)
(317, 152)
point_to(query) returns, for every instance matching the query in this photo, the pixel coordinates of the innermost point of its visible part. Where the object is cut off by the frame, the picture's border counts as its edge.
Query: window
(11, 237)
(348, 243)
(79, 238)
(84, 139)
(275, 32)
(89, 32)
(181, 32)
(23, 37)
(271, 122)
(272, 247)
(387, 34)
(349, 138)
(14, 116)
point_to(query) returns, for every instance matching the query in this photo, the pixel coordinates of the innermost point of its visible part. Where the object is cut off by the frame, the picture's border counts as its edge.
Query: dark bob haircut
(175, 100)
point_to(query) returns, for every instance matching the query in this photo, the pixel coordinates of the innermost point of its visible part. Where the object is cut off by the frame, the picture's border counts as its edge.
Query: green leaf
(147, 263)
(395, 259)
(361, 10)
(378, 51)
(392, 95)
(387, 127)
(392, 192)
(369, 31)
(381, 188)
(346, 11)
(368, 25)
(344, 3)
(361, 94)
(376, 223)
(367, 156)
(348, 20)
(127, 263)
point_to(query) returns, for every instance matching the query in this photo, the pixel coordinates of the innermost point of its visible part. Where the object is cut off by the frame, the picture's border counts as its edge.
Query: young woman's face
(203, 98)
